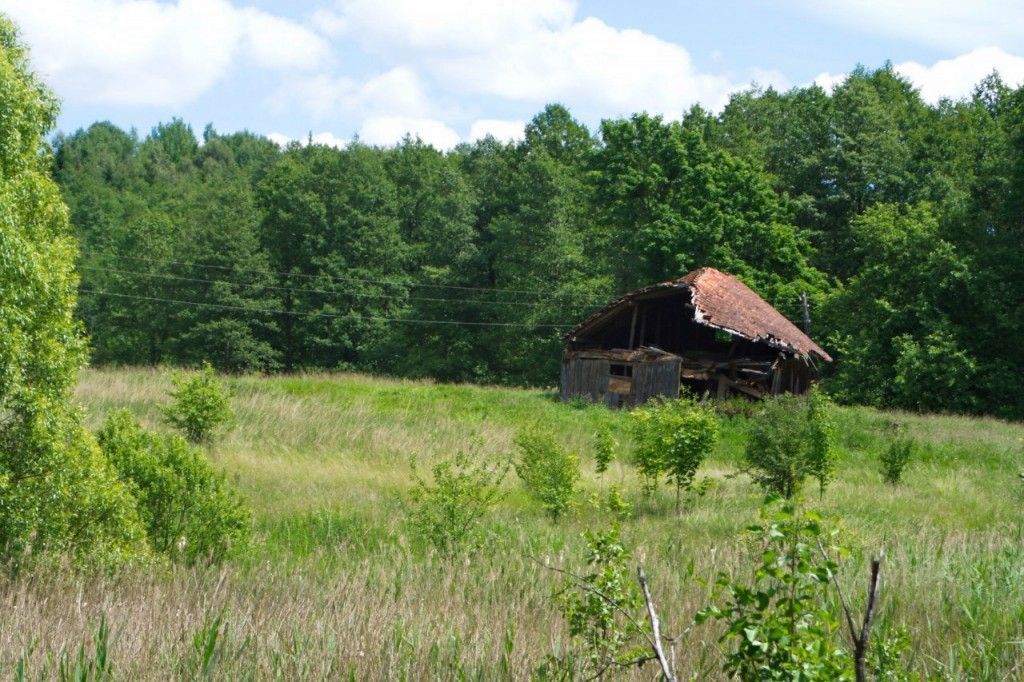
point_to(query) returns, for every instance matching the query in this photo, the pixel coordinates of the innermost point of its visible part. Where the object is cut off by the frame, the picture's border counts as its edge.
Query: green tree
(673, 438)
(57, 492)
(895, 324)
(549, 472)
(200, 404)
(674, 204)
(189, 511)
(792, 438)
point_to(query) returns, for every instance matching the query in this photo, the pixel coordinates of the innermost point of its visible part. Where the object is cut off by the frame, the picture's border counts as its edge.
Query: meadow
(335, 587)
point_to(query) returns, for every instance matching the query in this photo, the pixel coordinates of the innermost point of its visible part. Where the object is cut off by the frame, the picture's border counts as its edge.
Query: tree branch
(666, 669)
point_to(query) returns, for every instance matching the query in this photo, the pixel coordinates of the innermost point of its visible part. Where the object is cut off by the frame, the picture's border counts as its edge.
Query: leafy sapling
(897, 455)
(603, 607)
(605, 447)
(446, 512)
(792, 439)
(201, 404)
(550, 473)
(780, 622)
(673, 438)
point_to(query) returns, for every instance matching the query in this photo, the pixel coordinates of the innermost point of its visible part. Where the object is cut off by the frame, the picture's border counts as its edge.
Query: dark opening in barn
(706, 331)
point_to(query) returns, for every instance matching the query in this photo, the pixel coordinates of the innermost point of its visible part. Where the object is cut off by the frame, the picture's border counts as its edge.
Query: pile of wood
(745, 375)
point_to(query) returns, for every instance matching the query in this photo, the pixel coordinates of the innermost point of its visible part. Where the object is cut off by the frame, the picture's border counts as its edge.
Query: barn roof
(723, 302)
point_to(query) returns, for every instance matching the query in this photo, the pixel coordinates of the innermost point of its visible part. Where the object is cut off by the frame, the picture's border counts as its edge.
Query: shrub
(778, 628)
(896, 456)
(57, 495)
(200, 404)
(673, 438)
(792, 438)
(617, 505)
(187, 509)
(447, 512)
(605, 446)
(603, 608)
(549, 472)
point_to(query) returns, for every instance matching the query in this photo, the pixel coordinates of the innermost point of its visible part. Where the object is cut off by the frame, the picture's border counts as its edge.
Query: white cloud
(389, 130)
(949, 24)
(278, 43)
(330, 140)
(953, 78)
(957, 77)
(590, 66)
(395, 92)
(142, 52)
(325, 138)
(447, 26)
(532, 51)
(501, 130)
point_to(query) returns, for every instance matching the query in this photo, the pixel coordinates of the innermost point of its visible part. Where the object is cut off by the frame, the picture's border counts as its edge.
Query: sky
(457, 70)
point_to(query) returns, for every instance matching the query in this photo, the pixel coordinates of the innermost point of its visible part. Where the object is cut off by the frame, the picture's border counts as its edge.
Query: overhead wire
(326, 292)
(298, 313)
(347, 278)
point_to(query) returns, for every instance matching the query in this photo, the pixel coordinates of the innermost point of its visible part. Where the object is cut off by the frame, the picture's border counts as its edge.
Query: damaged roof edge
(723, 290)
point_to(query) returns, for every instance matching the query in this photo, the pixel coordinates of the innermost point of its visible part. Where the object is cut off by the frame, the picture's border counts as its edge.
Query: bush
(549, 472)
(447, 513)
(200, 404)
(187, 509)
(603, 608)
(605, 446)
(673, 438)
(779, 628)
(57, 495)
(792, 438)
(896, 456)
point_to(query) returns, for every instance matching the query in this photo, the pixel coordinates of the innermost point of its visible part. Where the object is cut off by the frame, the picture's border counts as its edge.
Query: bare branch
(666, 669)
(580, 582)
(854, 636)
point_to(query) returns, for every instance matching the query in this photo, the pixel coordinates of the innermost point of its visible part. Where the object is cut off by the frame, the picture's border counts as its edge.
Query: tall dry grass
(335, 588)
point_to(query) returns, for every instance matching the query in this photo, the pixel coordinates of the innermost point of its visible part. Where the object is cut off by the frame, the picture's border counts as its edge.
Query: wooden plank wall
(585, 378)
(651, 379)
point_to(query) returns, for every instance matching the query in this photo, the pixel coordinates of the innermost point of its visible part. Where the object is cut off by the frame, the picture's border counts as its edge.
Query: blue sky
(452, 70)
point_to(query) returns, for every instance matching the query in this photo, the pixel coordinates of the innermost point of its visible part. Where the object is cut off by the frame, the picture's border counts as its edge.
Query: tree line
(900, 219)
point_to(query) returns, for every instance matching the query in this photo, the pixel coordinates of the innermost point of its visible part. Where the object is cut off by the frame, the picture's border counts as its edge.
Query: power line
(347, 278)
(297, 313)
(333, 292)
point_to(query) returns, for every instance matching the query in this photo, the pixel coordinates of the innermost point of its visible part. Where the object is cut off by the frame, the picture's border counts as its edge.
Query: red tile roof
(722, 301)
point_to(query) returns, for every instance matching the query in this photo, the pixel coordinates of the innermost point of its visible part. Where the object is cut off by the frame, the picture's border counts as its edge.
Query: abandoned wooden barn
(706, 331)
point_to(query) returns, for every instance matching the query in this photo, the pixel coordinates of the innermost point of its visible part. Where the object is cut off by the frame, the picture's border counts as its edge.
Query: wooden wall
(590, 378)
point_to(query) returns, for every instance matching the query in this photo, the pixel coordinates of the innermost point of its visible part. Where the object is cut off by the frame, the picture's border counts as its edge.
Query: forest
(206, 473)
(900, 220)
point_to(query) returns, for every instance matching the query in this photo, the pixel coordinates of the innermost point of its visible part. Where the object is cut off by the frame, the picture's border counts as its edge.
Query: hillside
(335, 585)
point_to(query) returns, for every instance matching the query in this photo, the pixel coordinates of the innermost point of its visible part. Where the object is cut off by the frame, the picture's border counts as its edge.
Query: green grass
(334, 587)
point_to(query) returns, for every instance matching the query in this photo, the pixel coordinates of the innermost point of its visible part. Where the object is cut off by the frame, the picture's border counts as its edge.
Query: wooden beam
(632, 327)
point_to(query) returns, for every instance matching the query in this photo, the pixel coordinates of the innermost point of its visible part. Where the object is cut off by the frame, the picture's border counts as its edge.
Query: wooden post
(632, 326)
(643, 326)
(807, 313)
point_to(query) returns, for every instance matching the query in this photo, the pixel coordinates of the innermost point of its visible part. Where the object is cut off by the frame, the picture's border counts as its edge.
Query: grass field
(335, 588)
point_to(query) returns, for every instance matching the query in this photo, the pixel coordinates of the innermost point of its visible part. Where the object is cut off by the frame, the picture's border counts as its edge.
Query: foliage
(447, 512)
(897, 454)
(886, 657)
(605, 447)
(899, 219)
(201, 404)
(603, 608)
(549, 472)
(617, 505)
(57, 494)
(189, 511)
(673, 438)
(792, 438)
(778, 627)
